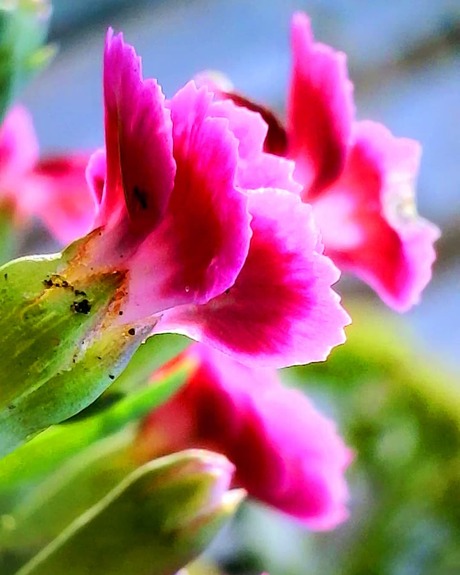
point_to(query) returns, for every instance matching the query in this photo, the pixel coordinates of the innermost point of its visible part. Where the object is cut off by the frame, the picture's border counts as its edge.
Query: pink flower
(286, 454)
(357, 176)
(53, 188)
(56, 191)
(213, 242)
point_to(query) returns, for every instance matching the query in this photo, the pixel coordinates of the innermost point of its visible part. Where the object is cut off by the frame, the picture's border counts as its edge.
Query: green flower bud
(155, 521)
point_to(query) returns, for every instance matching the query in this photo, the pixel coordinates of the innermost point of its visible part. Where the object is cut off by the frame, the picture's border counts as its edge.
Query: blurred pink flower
(56, 191)
(54, 188)
(357, 176)
(286, 454)
(18, 156)
(215, 244)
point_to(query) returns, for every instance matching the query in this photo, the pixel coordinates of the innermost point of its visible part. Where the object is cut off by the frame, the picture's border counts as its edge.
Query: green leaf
(150, 356)
(44, 320)
(61, 347)
(7, 230)
(79, 483)
(94, 455)
(155, 521)
(47, 452)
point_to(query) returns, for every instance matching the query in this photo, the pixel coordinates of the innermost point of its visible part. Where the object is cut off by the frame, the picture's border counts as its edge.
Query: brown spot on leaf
(82, 306)
(57, 281)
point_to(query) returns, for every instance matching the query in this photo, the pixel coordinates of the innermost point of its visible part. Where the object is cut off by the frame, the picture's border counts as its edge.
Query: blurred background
(397, 400)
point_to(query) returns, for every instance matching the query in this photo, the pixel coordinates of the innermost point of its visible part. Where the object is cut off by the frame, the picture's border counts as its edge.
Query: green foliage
(150, 356)
(23, 29)
(7, 233)
(48, 451)
(60, 348)
(48, 482)
(154, 521)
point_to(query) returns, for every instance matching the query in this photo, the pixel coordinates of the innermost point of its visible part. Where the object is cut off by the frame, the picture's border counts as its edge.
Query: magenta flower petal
(18, 143)
(276, 140)
(256, 168)
(366, 215)
(281, 310)
(247, 126)
(286, 454)
(260, 135)
(369, 221)
(138, 131)
(268, 171)
(18, 155)
(57, 192)
(320, 109)
(169, 205)
(96, 173)
(202, 243)
(314, 457)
